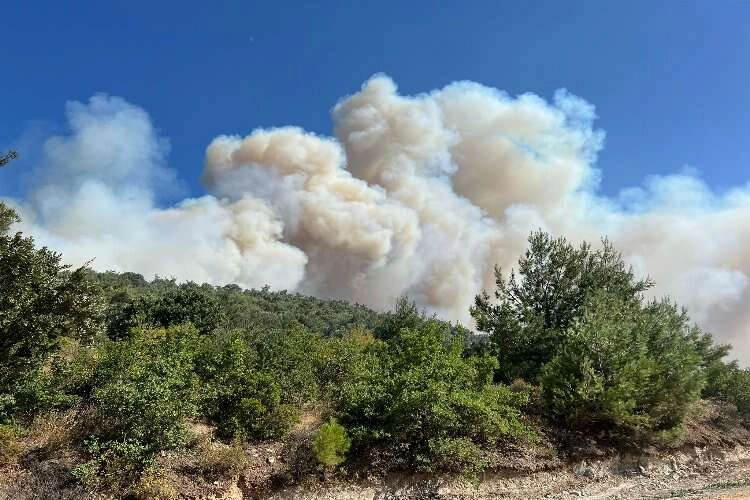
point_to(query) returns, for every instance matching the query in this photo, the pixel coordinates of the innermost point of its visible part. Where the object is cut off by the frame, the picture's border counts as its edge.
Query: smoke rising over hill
(417, 195)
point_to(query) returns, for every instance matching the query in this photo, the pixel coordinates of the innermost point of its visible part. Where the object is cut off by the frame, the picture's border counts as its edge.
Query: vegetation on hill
(135, 365)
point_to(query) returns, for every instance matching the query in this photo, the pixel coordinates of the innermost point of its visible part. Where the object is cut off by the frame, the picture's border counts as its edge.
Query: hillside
(115, 386)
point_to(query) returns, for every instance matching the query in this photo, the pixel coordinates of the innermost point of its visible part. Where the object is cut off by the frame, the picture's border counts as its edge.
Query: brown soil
(712, 460)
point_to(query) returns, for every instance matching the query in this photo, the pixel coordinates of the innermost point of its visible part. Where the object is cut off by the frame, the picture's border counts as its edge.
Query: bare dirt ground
(700, 473)
(711, 461)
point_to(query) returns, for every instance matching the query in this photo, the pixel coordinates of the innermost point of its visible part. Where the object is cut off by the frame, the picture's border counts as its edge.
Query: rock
(585, 470)
(270, 460)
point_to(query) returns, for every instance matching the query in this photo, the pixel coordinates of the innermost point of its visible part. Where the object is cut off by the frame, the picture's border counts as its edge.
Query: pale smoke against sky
(415, 195)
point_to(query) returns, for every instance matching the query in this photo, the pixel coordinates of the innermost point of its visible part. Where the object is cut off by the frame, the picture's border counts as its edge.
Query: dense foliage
(132, 299)
(41, 301)
(624, 368)
(139, 363)
(144, 388)
(554, 282)
(574, 321)
(187, 303)
(416, 392)
(239, 397)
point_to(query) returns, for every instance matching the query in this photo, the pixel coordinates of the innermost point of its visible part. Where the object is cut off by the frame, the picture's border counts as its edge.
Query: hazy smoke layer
(416, 195)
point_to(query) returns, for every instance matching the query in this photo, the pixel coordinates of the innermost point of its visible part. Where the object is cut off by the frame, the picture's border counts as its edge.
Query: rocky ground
(697, 473)
(712, 460)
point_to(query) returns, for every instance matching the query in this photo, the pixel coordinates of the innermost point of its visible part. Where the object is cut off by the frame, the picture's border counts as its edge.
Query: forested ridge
(108, 372)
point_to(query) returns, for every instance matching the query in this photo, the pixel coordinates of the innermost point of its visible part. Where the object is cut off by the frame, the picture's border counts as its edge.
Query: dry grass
(52, 432)
(10, 445)
(216, 460)
(154, 486)
(713, 423)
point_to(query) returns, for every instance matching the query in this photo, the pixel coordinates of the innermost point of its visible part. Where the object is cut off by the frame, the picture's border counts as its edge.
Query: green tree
(630, 370)
(187, 303)
(41, 301)
(534, 307)
(729, 383)
(405, 315)
(331, 444)
(7, 157)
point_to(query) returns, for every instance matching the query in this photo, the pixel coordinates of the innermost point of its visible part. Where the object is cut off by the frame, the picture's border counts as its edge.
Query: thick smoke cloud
(95, 194)
(415, 195)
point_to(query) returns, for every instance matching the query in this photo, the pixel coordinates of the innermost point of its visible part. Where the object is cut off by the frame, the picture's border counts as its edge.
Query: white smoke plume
(415, 195)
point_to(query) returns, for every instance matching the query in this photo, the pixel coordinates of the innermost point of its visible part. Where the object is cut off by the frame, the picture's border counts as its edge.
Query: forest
(108, 373)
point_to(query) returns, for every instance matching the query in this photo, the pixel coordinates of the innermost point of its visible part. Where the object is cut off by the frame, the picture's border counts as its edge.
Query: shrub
(10, 447)
(145, 388)
(730, 383)
(356, 352)
(240, 399)
(219, 460)
(86, 472)
(292, 357)
(53, 431)
(73, 369)
(116, 463)
(155, 487)
(187, 303)
(33, 394)
(64, 380)
(331, 444)
(457, 455)
(625, 368)
(420, 386)
(41, 301)
(738, 392)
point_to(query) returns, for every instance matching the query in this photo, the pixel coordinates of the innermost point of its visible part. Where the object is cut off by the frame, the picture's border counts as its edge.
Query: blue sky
(669, 79)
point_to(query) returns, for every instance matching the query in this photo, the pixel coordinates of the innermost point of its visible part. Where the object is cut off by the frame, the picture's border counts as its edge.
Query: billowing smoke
(415, 195)
(95, 199)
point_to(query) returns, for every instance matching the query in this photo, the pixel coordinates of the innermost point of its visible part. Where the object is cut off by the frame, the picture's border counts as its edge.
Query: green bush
(730, 383)
(331, 444)
(625, 368)
(457, 455)
(187, 303)
(41, 301)
(418, 387)
(116, 463)
(240, 399)
(355, 353)
(292, 356)
(738, 392)
(145, 388)
(73, 369)
(64, 380)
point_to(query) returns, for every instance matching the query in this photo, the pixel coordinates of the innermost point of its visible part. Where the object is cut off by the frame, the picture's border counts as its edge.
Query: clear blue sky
(670, 79)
